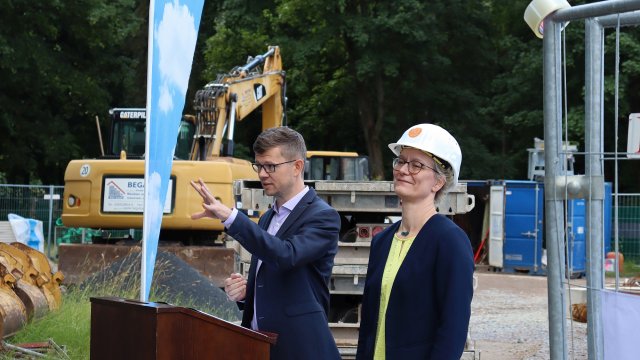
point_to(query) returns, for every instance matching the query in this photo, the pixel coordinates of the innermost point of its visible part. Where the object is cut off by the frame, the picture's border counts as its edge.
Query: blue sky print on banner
(172, 43)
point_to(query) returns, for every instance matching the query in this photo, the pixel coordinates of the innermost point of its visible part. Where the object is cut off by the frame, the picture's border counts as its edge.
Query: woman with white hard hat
(419, 286)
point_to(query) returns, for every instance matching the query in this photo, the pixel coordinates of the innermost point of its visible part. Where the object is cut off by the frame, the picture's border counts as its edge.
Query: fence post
(50, 217)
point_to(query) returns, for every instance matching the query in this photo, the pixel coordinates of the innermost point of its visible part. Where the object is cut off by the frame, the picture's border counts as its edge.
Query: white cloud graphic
(176, 36)
(165, 101)
(154, 208)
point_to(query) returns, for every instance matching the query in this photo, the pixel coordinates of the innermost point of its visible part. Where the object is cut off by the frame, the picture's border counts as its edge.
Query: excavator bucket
(48, 282)
(33, 299)
(20, 265)
(13, 313)
(28, 289)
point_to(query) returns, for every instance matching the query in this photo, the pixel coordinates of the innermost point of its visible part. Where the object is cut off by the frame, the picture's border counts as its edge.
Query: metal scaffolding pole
(594, 130)
(554, 206)
(626, 19)
(601, 8)
(625, 12)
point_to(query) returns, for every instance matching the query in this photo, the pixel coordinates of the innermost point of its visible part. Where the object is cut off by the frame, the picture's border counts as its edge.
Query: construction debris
(43, 349)
(579, 312)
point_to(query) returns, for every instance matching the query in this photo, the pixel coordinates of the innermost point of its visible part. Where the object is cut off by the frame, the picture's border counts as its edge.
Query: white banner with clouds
(173, 31)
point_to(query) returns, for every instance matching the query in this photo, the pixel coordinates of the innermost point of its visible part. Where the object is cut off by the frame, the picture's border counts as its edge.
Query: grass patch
(629, 269)
(69, 326)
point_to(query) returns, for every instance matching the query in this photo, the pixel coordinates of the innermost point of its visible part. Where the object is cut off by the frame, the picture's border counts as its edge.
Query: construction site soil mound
(174, 282)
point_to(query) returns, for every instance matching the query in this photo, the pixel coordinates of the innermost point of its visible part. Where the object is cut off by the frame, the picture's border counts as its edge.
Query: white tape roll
(538, 10)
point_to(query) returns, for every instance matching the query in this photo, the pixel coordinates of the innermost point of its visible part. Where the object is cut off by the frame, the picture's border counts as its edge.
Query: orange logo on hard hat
(415, 132)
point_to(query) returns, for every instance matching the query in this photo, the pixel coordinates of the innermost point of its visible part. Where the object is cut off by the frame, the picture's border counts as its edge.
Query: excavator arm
(233, 96)
(108, 193)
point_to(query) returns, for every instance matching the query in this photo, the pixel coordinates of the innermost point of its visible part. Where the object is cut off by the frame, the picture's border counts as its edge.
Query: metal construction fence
(628, 227)
(40, 202)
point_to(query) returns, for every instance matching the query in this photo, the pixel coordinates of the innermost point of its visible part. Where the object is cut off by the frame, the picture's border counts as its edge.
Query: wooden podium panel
(129, 329)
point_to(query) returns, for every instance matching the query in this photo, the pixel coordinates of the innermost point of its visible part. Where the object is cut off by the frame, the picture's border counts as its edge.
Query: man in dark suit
(293, 247)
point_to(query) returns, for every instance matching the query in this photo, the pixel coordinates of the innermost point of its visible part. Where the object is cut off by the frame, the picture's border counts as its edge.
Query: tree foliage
(359, 72)
(61, 64)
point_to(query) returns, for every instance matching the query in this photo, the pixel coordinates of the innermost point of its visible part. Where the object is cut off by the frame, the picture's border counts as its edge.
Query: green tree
(360, 72)
(628, 172)
(61, 64)
(514, 110)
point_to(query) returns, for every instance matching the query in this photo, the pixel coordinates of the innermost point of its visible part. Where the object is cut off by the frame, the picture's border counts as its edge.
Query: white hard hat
(434, 140)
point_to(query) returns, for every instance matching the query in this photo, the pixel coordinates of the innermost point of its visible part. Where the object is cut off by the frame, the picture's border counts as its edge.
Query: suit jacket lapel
(264, 222)
(297, 211)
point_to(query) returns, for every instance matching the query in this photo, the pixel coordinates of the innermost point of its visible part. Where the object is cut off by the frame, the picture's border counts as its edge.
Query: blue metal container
(576, 229)
(523, 226)
(523, 241)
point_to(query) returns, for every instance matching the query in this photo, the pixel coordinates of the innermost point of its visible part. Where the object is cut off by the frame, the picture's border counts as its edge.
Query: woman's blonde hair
(445, 173)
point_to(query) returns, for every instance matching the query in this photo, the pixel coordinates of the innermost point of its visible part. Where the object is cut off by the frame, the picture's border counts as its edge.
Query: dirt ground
(509, 318)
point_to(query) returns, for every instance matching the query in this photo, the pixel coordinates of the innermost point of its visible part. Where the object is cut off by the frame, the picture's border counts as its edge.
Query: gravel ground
(509, 319)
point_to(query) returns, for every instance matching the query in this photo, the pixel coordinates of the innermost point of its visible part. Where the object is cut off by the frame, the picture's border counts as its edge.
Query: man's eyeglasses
(268, 168)
(413, 166)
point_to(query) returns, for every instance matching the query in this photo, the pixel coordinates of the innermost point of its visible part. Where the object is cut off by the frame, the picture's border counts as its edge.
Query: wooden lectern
(129, 329)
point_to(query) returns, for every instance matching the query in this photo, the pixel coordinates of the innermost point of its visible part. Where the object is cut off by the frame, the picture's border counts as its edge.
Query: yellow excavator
(107, 193)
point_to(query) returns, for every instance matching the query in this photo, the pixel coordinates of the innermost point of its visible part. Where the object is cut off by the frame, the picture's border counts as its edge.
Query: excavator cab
(336, 165)
(128, 134)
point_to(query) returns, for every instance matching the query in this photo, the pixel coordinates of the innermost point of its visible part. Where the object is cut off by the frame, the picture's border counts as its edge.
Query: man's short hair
(290, 141)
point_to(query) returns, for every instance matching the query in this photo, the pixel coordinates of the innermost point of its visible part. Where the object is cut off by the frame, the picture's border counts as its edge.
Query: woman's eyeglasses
(414, 166)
